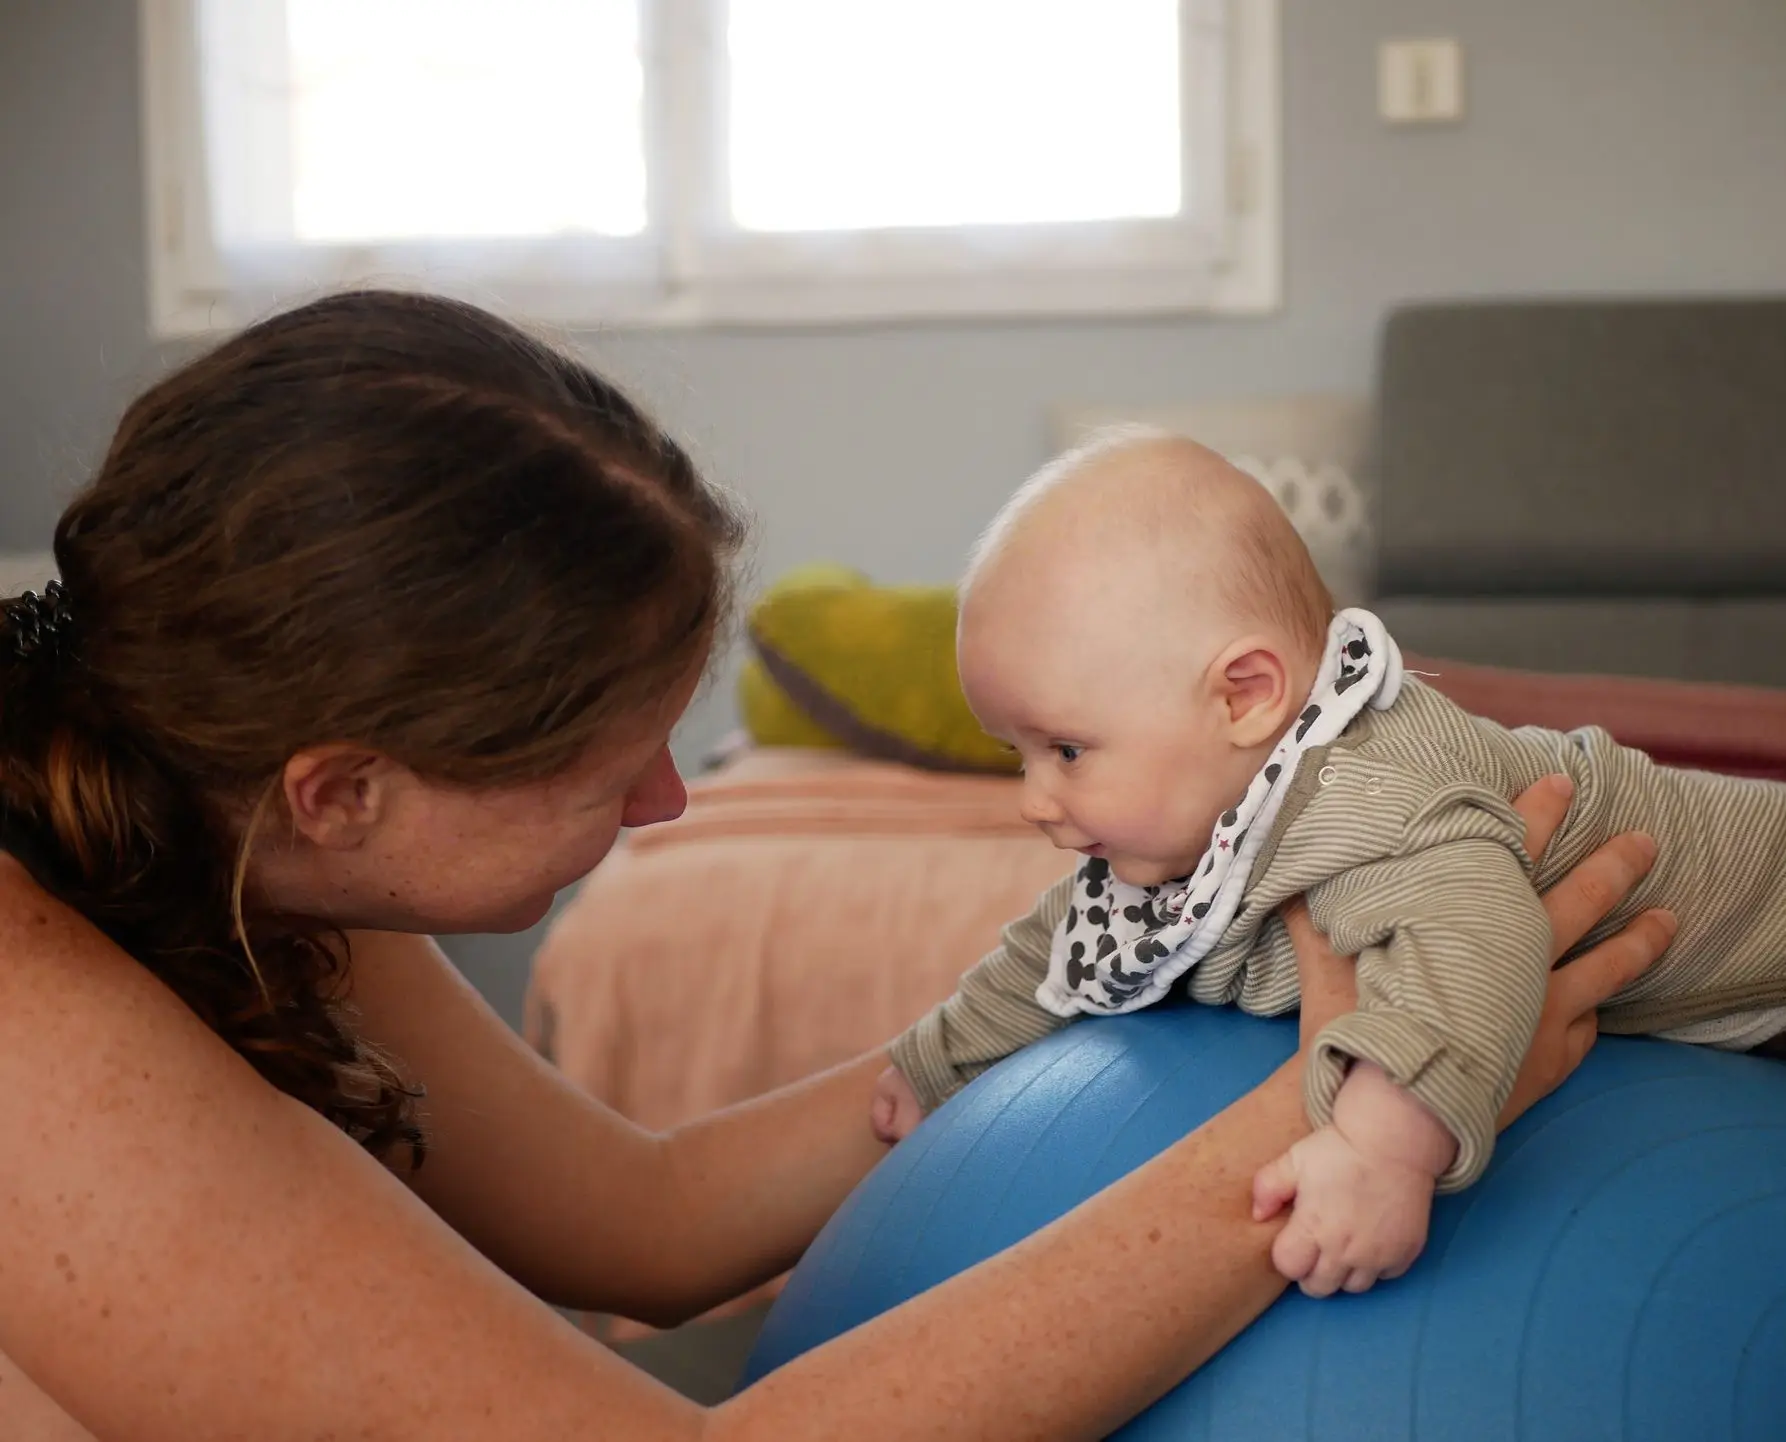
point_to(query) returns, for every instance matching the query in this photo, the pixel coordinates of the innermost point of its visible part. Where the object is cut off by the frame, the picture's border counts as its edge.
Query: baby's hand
(1356, 1219)
(1363, 1188)
(896, 1110)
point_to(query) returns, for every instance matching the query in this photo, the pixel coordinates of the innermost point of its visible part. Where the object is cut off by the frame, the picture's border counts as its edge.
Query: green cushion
(839, 661)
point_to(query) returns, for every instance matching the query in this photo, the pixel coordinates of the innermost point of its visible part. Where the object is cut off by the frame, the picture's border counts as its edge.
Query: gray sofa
(1585, 486)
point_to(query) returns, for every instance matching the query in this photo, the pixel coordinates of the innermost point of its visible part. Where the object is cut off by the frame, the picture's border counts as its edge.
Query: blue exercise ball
(1619, 1273)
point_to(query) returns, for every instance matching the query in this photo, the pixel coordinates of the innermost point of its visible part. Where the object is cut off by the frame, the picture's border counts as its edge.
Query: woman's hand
(1575, 904)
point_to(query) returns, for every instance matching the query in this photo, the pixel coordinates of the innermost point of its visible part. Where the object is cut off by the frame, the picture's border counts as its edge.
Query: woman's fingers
(1312, 950)
(1567, 1029)
(1591, 978)
(1594, 887)
(1542, 806)
(1579, 1038)
(1328, 981)
(1581, 900)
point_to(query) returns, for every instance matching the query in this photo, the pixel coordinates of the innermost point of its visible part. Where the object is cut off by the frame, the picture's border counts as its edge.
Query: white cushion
(1328, 509)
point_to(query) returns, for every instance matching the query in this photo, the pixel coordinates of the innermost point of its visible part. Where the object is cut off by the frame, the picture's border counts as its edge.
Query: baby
(1144, 626)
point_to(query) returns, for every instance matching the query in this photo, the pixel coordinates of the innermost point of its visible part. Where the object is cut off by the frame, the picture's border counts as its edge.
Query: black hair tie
(39, 623)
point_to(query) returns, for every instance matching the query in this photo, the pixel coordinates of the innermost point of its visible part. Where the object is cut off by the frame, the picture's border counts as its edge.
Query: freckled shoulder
(35, 927)
(75, 1004)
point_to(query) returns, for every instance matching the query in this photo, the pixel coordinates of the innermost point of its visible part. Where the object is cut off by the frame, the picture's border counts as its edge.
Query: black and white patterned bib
(1120, 947)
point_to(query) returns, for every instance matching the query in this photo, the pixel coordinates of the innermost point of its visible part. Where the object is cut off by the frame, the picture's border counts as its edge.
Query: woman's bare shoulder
(181, 1219)
(58, 970)
(74, 1008)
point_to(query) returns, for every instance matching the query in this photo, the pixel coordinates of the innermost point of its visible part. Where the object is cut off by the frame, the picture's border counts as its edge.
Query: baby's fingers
(1295, 1252)
(1328, 1273)
(884, 1117)
(1274, 1188)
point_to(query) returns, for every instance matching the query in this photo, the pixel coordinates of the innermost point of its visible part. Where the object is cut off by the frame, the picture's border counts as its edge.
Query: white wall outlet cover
(1420, 81)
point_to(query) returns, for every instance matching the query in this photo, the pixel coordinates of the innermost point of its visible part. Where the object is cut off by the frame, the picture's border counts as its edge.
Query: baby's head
(1142, 622)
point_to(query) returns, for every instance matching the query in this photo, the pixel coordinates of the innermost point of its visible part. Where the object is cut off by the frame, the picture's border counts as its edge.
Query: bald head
(1164, 531)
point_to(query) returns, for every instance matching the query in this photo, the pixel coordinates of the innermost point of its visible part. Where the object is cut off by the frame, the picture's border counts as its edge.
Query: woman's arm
(1152, 1276)
(581, 1206)
(662, 1228)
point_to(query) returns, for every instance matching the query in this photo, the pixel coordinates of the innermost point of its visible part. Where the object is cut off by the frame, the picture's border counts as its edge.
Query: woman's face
(420, 856)
(492, 860)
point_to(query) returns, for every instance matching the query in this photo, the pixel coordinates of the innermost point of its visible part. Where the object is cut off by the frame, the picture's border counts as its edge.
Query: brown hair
(384, 518)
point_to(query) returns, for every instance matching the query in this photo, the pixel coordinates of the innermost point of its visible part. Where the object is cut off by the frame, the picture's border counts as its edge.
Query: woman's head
(374, 594)
(390, 520)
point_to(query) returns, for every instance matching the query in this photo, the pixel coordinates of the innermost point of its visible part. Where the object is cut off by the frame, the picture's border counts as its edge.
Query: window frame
(691, 268)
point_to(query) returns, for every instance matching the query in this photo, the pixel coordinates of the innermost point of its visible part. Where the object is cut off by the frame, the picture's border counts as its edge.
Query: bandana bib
(1120, 947)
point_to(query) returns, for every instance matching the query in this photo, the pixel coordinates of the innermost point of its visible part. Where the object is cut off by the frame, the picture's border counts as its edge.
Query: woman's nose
(658, 795)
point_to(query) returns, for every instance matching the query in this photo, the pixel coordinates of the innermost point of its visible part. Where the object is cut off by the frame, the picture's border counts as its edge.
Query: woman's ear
(1250, 681)
(336, 795)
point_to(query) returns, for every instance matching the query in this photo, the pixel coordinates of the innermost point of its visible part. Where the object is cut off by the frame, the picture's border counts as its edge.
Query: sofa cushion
(1583, 448)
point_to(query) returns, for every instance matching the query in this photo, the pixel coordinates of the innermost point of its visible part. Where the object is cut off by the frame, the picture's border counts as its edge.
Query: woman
(377, 620)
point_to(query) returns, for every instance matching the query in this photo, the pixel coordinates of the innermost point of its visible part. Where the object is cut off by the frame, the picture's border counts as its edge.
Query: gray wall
(1611, 146)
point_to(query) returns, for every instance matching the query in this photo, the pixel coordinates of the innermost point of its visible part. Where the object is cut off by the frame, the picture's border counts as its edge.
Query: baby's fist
(1356, 1218)
(896, 1110)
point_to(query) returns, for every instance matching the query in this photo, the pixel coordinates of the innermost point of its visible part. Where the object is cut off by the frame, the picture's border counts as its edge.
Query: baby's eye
(1067, 752)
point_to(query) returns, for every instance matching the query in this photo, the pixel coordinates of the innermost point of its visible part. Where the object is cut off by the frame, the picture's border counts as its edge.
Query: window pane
(411, 119)
(849, 115)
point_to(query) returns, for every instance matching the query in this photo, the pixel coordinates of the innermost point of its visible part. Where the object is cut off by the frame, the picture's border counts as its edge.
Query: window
(714, 161)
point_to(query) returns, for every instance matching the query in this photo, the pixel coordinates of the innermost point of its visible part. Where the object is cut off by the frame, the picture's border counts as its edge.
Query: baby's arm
(1452, 945)
(993, 1013)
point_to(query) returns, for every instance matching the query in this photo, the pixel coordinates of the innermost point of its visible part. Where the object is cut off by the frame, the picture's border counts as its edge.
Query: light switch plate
(1420, 81)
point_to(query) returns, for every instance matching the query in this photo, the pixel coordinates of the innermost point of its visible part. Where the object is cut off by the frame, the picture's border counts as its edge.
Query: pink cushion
(1740, 730)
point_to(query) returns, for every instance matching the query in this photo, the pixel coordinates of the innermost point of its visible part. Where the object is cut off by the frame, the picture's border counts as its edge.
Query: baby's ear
(1251, 682)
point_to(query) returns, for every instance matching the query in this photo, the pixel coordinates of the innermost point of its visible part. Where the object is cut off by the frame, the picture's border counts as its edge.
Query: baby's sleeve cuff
(1420, 1061)
(922, 1054)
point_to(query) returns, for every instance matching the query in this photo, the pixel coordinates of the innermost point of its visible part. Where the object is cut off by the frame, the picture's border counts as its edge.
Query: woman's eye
(1066, 752)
